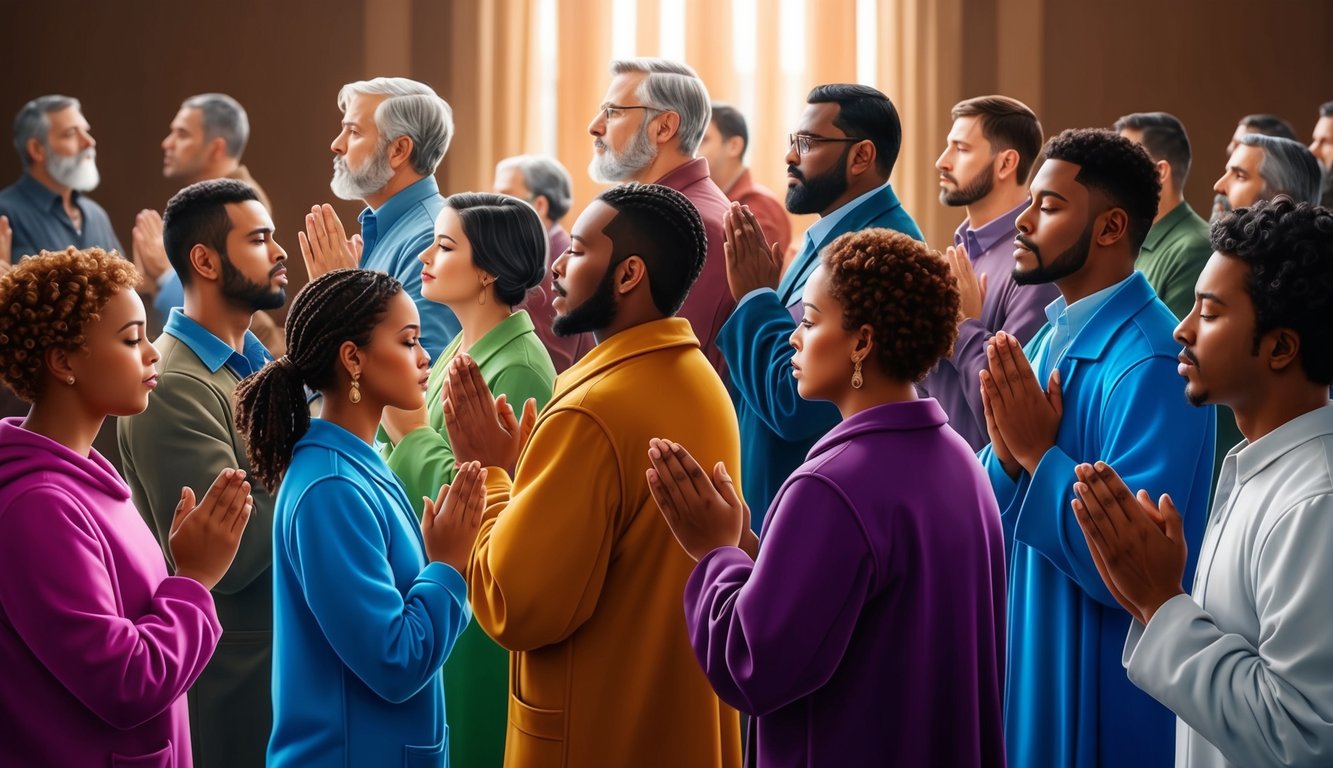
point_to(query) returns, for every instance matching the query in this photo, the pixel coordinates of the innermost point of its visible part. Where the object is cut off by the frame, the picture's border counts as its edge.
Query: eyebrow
(578, 239)
(260, 231)
(446, 237)
(1211, 297)
(1236, 169)
(127, 325)
(811, 306)
(410, 327)
(1048, 193)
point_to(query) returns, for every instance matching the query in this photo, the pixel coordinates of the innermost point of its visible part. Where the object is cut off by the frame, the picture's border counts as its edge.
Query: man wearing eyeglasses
(648, 130)
(838, 166)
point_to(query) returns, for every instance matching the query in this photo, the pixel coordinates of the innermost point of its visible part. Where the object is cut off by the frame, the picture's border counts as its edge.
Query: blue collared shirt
(1067, 320)
(39, 221)
(394, 236)
(214, 352)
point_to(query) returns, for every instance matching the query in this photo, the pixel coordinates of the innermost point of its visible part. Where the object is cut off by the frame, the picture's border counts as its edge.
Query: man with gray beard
(648, 130)
(47, 208)
(394, 134)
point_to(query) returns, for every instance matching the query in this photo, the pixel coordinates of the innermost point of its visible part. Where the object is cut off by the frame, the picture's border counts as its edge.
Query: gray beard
(358, 185)
(78, 172)
(611, 166)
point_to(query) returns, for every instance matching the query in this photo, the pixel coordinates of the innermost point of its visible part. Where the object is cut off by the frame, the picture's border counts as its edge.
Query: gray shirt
(1246, 662)
(37, 216)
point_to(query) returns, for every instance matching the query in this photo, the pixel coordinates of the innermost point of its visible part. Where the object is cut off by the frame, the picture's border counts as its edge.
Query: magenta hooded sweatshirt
(97, 643)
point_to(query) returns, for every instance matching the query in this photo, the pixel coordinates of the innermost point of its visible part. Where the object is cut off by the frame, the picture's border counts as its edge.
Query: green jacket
(187, 436)
(476, 676)
(1173, 255)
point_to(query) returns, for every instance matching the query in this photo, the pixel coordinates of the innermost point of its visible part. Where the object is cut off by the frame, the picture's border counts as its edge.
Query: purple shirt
(1008, 306)
(871, 629)
(97, 643)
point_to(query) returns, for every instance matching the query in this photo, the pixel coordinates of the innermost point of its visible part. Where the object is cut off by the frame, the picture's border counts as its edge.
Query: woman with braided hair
(367, 602)
(869, 630)
(97, 643)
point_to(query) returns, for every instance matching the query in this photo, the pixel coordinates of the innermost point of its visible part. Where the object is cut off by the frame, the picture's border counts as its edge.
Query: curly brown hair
(902, 290)
(48, 301)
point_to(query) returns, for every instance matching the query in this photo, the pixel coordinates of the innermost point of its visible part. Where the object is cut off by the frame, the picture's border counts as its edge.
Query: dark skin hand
(1024, 417)
(703, 512)
(752, 262)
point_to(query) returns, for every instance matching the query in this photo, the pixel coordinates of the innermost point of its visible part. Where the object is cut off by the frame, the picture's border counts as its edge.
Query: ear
(667, 128)
(733, 147)
(1006, 164)
(542, 205)
(36, 152)
(400, 152)
(350, 358)
(862, 158)
(1111, 227)
(629, 273)
(865, 342)
(60, 364)
(1163, 172)
(217, 149)
(206, 262)
(1284, 348)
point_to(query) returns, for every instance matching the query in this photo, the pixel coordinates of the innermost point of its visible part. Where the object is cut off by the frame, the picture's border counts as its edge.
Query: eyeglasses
(804, 142)
(613, 111)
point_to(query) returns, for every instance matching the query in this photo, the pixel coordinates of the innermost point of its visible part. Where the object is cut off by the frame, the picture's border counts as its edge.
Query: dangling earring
(355, 394)
(857, 380)
(481, 297)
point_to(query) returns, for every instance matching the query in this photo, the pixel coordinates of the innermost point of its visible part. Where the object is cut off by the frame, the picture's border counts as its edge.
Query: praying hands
(482, 428)
(752, 263)
(1022, 419)
(325, 245)
(704, 513)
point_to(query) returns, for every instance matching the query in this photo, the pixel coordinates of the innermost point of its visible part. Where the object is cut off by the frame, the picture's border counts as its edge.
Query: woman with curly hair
(97, 642)
(489, 250)
(367, 601)
(869, 629)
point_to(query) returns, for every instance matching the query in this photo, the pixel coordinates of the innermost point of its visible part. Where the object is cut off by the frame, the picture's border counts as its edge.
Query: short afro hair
(662, 227)
(47, 302)
(905, 292)
(1117, 167)
(1288, 247)
(197, 215)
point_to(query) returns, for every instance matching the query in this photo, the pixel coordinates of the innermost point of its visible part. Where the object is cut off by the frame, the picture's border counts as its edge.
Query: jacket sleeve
(1270, 705)
(1153, 439)
(184, 438)
(770, 632)
(394, 643)
(542, 554)
(755, 341)
(59, 593)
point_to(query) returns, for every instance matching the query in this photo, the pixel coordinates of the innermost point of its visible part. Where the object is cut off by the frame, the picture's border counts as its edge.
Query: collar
(212, 351)
(394, 208)
(330, 436)
(499, 337)
(1161, 229)
(1252, 458)
(925, 413)
(632, 342)
(990, 235)
(826, 224)
(42, 195)
(1115, 305)
(685, 174)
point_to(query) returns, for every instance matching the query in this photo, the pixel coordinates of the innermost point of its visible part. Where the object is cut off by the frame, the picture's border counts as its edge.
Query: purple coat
(871, 629)
(97, 643)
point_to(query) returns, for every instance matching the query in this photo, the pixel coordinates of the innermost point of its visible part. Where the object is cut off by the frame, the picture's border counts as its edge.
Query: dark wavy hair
(1117, 167)
(270, 405)
(1288, 247)
(507, 239)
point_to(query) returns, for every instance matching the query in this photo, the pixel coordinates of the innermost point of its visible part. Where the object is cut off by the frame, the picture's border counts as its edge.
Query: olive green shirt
(1173, 255)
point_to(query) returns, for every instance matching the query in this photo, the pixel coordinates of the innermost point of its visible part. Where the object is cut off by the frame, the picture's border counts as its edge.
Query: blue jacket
(362, 624)
(1068, 701)
(778, 428)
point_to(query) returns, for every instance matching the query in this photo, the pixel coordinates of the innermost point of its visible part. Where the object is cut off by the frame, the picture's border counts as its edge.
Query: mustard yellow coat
(578, 575)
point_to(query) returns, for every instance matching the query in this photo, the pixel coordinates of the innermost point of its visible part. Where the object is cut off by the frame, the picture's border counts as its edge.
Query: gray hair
(223, 117)
(413, 110)
(675, 87)
(32, 122)
(1287, 168)
(544, 176)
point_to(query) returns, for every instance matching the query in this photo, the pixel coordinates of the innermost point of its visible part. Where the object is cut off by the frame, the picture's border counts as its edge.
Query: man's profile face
(585, 297)
(1322, 145)
(360, 159)
(712, 149)
(184, 149)
(1219, 361)
(1055, 230)
(1241, 185)
(818, 178)
(71, 151)
(254, 272)
(620, 146)
(967, 165)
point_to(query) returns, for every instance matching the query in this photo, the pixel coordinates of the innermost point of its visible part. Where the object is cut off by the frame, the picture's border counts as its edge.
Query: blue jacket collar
(330, 436)
(394, 208)
(1133, 295)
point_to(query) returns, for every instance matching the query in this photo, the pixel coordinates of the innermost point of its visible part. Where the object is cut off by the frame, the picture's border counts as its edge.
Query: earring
(857, 380)
(355, 394)
(70, 381)
(481, 297)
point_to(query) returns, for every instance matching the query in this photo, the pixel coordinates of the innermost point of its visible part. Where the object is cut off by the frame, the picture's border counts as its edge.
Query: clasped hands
(325, 245)
(1021, 419)
(703, 512)
(752, 263)
(482, 428)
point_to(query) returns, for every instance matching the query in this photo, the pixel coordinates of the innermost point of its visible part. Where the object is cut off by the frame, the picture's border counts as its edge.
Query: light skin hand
(971, 289)
(1139, 546)
(324, 243)
(481, 428)
(703, 512)
(398, 422)
(149, 252)
(752, 263)
(1026, 417)
(204, 538)
(6, 245)
(449, 524)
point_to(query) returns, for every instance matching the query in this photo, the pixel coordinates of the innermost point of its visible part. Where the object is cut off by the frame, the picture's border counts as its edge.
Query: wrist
(1150, 607)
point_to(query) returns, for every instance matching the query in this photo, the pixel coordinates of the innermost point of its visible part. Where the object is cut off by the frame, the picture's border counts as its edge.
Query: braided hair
(662, 227)
(270, 405)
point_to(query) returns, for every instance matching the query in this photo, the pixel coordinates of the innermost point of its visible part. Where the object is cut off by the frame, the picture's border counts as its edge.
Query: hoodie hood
(28, 459)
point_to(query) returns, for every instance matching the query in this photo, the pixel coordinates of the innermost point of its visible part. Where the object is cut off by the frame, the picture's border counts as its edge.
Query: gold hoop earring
(355, 394)
(857, 380)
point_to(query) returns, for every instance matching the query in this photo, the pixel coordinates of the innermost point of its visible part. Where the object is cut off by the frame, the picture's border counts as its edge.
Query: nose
(795, 339)
(558, 266)
(793, 157)
(87, 140)
(339, 145)
(150, 355)
(1184, 332)
(1024, 221)
(942, 164)
(424, 256)
(276, 252)
(1220, 187)
(598, 125)
(166, 141)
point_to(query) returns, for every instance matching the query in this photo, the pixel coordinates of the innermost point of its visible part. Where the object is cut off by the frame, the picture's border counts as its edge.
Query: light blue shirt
(214, 352)
(1068, 319)
(394, 236)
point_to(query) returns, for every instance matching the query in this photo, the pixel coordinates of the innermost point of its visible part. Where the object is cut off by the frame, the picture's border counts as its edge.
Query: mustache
(796, 173)
(1188, 354)
(559, 289)
(281, 266)
(949, 177)
(599, 144)
(1028, 244)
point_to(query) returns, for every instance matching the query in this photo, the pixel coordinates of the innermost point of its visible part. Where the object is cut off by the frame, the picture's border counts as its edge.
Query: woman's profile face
(822, 363)
(448, 274)
(396, 366)
(114, 375)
